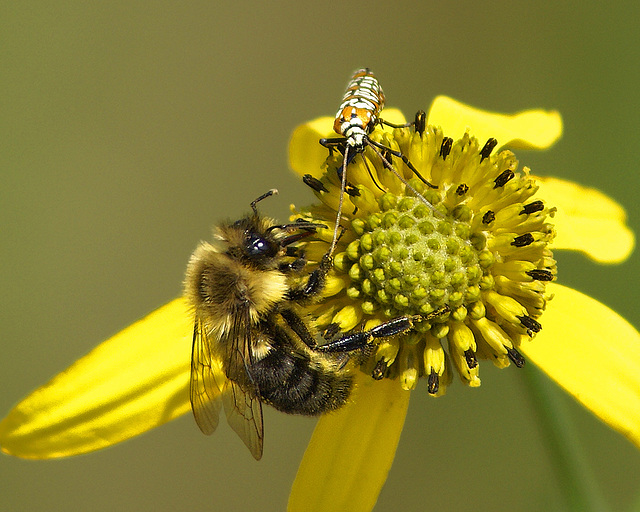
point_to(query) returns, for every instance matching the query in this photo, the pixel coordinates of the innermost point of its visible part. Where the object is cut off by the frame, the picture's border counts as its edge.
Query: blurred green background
(129, 129)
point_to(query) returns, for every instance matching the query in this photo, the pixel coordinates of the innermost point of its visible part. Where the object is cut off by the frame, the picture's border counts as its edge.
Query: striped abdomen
(361, 104)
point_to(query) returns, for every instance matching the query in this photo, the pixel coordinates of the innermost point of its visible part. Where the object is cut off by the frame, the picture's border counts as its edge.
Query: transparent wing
(207, 382)
(244, 414)
(241, 403)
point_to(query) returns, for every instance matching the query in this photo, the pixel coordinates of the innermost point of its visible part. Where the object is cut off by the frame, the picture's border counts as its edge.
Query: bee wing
(241, 403)
(244, 414)
(207, 381)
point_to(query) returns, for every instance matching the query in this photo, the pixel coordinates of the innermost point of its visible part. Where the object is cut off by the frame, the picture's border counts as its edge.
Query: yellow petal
(136, 380)
(530, 129)
(594, 354)
(351, 450)
(588, 221)
(306, 154)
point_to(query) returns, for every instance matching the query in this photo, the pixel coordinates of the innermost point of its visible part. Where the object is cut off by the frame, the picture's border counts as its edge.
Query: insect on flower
(252, 342)
(356, 118)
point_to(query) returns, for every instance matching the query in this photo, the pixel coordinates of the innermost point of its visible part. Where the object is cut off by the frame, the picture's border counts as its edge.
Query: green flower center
(409, 261)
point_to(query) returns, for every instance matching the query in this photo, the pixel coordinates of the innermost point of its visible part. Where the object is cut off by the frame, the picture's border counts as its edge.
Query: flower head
(469, 259)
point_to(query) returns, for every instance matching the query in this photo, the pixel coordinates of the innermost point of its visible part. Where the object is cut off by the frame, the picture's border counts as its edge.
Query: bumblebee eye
(258, 246)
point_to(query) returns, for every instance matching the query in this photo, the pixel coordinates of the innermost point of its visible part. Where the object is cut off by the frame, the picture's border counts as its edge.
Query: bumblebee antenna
(272, 192)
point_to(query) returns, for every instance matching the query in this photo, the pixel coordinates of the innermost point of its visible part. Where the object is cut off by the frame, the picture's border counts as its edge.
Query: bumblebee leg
(317, 278)
(357, 340)
(314, 283)
(299, 327)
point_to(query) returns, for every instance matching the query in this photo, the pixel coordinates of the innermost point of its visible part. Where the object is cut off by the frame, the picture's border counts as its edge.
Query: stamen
(470, 357)
(516, 357)
(462, 189)
(420, 122)
(314, 183)
(445, 149)
(379, 369)
(488, 217)
(504, 178)
(523, 240)
(352, 191)
(530, 323)
(433, 383)
(535, 206)
(540, 275)
(488, 148)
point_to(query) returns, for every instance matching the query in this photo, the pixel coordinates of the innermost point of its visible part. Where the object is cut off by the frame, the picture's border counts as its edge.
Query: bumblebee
(252, 342)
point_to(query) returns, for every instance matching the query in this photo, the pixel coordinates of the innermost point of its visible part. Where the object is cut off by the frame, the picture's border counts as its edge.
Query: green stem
(577, 482)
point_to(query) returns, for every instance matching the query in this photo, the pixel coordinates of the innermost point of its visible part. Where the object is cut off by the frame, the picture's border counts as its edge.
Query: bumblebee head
(260, 242)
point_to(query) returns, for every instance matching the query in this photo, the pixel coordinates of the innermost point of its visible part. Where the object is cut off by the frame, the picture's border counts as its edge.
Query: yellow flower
(483, 250)
(139, 378)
